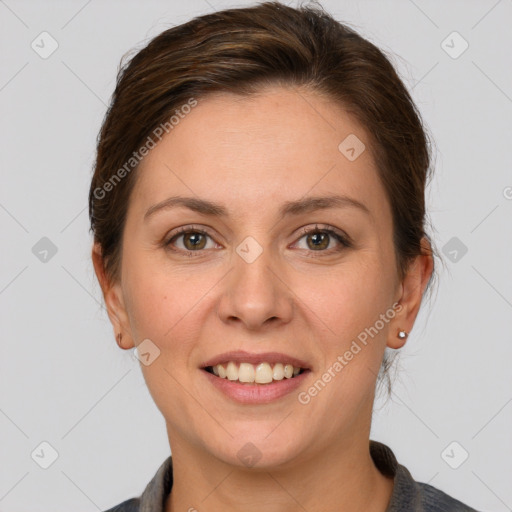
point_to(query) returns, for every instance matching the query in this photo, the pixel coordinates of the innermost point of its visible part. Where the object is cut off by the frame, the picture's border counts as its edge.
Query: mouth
(258, 379)
(264, 370)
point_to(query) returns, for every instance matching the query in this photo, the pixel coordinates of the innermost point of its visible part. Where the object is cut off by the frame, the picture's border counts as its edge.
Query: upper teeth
(262, 373)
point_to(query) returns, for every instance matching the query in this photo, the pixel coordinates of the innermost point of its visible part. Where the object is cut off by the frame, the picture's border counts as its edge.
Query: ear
(113, 297)
(413, 286)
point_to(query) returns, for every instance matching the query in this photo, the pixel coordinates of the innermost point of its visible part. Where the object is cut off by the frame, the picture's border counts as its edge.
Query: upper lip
(240, 356)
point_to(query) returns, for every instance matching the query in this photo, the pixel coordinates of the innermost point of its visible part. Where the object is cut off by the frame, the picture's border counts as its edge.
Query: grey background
(63, 379)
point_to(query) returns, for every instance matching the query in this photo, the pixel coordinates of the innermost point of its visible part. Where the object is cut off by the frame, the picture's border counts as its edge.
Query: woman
(258, 214)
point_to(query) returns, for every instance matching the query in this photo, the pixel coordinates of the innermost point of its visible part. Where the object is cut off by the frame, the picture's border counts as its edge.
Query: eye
(193, 240)
(319, 240)
(327, 239)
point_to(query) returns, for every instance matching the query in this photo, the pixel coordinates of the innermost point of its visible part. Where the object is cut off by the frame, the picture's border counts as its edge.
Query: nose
(255, 294)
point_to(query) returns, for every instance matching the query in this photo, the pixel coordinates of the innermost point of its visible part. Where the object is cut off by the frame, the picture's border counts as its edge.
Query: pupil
(315, 238)
(194, 239)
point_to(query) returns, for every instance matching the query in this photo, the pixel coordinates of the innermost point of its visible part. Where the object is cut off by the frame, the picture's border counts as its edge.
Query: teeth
(262, 373)
(278, 372)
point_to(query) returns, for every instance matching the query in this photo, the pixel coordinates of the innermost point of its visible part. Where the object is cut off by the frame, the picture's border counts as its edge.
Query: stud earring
(119, 338)
(402, 334)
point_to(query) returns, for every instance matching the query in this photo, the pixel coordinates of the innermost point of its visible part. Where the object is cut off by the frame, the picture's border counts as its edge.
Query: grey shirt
(408, 495)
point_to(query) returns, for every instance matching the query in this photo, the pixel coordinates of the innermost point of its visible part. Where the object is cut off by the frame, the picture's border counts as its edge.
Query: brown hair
(241, 50)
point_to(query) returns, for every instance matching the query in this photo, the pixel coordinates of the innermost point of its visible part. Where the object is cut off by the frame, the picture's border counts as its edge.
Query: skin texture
(252, 154)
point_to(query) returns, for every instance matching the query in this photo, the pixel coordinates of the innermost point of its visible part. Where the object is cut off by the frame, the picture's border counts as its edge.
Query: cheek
(349, 298)
(166, 308)
(166, 305)
(349, 303)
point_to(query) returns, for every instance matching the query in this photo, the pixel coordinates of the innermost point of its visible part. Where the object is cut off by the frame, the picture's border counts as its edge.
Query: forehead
(277, 145)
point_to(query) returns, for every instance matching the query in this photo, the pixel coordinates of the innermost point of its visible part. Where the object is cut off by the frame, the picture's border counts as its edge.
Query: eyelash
(327, 229)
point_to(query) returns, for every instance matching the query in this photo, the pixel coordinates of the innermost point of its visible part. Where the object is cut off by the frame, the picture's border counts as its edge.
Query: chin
(259, 451)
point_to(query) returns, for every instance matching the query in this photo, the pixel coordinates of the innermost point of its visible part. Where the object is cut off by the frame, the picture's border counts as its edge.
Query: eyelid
(324, 227)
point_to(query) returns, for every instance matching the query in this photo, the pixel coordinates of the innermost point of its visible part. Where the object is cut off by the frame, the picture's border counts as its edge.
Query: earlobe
(398, 335)
(399, 340)
(413, 287)
(112, 295)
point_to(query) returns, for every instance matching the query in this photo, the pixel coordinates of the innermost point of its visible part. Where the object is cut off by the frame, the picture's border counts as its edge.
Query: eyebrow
(298, 207)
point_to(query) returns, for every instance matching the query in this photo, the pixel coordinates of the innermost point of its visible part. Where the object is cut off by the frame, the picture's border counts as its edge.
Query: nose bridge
(254, 294)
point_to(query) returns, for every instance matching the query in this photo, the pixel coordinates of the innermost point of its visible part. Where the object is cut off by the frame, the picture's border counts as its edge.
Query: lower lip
(252, 393)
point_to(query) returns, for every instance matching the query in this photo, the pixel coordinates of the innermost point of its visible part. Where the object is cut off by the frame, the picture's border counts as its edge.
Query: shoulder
(131, 505)
(154, 495)
(423, 497)
(408, 494)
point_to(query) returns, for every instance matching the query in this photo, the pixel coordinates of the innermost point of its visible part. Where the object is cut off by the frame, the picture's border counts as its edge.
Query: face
(305, 282)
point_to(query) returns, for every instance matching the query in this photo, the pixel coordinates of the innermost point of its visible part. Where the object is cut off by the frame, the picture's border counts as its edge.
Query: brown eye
(188, 240)
(193, 240)
(318, 240)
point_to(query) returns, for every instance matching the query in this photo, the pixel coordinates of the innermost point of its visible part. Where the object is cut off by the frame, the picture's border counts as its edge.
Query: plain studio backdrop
(68, 391)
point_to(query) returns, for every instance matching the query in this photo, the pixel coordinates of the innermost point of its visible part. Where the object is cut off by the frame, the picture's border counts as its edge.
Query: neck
(340, 477)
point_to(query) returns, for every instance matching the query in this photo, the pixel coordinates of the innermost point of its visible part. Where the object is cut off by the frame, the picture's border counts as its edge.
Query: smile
(262, 373)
